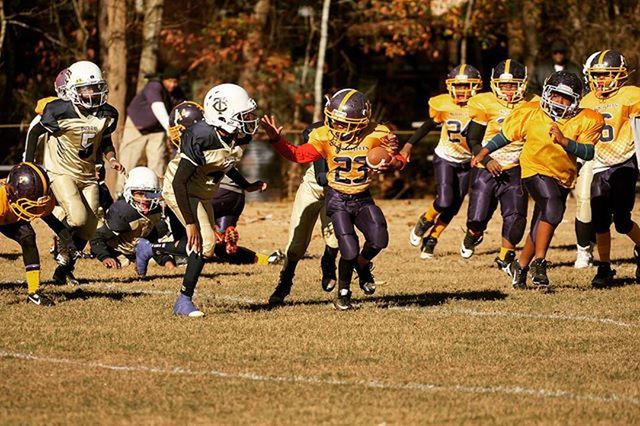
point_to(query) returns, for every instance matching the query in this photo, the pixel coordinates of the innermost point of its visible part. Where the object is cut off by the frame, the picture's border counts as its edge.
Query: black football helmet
(567, 85)
(346, 114)
(606, 72)
(28, 189)
(463, 82)
(183, 115)
(509, 81)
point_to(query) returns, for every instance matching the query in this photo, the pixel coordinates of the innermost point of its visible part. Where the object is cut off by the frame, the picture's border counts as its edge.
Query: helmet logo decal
(219, 104)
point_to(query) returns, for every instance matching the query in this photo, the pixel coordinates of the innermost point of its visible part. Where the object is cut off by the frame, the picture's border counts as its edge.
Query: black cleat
(64, 275)
(505, 265)
(343, 301)
(282, 289)
(469, 244)
(422, 226)
(604, 276)
(39, 299)
(538, 273)
(636, 254)
(428, 247)
(329, 278)
(518, 275)
(366, 279)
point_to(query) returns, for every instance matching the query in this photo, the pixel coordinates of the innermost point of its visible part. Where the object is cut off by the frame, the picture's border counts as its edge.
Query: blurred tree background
(396, 51)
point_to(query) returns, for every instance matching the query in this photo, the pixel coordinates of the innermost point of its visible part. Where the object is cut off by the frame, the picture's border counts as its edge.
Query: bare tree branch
(3, 26)
(84, 39)
(44, 34)
(324, 30)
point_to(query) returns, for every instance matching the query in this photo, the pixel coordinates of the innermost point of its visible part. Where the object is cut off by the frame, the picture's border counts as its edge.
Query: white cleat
(584, 257)
(414, 240)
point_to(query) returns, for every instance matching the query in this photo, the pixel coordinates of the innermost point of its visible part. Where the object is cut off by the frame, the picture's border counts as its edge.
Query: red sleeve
(302, 154)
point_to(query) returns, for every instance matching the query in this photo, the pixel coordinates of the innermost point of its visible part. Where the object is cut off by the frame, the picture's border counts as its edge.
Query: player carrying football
(615, 167)
(451, 158)
(555, 131)
(344, 141)
(77, 130)
(497, 178)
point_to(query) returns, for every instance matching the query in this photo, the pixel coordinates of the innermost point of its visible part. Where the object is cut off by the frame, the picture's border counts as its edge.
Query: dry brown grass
(443, 341)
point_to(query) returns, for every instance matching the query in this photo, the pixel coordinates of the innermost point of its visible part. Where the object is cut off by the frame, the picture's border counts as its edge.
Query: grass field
(441, 341)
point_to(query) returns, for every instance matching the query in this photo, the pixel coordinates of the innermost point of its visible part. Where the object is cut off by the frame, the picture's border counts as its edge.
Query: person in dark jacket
(558, 61)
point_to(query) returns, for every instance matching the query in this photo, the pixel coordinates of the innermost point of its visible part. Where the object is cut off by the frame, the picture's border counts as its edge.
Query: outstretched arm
(306, 153)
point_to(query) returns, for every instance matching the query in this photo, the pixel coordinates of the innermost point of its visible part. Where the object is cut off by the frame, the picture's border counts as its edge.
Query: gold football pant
(308, 205)
(582, 193)
(204, 217)
(134, 145)
(79, 200)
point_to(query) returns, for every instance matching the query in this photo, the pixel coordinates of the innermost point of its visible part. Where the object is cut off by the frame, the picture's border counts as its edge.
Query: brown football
(377, 155)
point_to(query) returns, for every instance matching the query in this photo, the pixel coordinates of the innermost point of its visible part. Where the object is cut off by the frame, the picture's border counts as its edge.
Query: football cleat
(276, 258)
(518, 275)
(184, 306)
(283, 288)
(505, 265)
(64, 275)
(584, 257)
(469, 244)
(428, 246)
(144, 253)
(422, 226)
(538, 272)
(636, 254)
(329, 278)
(366, 279)
(231, 237)
(604, 276)
(343, 301)
(39, 299)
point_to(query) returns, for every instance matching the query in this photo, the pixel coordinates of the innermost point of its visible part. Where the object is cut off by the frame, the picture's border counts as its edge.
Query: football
(378, 156)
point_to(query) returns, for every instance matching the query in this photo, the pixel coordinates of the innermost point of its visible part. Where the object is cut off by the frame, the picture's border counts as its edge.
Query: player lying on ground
(132, 224)
(208, 150)
(497, 179)
(451, 158)
(555, 131)
(76, 131)
(345, 141)
(307, 206)
(24, 196)
(615, 166)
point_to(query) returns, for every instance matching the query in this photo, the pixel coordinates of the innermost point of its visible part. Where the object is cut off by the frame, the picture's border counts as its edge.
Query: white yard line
(369, 384)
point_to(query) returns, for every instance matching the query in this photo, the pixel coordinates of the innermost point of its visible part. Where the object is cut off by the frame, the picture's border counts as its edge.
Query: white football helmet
(143, 179)
(85, 85)
(229, 107)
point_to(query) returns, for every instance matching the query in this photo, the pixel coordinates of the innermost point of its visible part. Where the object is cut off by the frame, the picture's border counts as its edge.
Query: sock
(195, 263)
(345, 273)
(79, 243)
(584, 233)
(438, 229)
(33, 281)
(369, 252)
(504, 252)
(330, 253)
(261, 259)
(431, 214)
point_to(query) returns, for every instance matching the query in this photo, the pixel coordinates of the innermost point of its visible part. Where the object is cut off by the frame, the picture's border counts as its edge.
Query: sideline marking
(371, 384)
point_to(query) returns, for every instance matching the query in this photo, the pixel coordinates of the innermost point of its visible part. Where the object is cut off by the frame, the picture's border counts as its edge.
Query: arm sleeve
(33, 136)
(475, 135)
(237, 177)
(99, 245)
(497, 142)
(422, 131)
(184, 172)
(320, 167)
(107, 145)
(298, 154)
(584, 151)
(160, 112)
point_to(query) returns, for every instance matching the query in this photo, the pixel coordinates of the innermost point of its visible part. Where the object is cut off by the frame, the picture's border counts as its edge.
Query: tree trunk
(515, 36)
(251, 52)
(465, 32)
(150, 40)
(116, 69)
(322, 48)
(103, 33)
(530, 26)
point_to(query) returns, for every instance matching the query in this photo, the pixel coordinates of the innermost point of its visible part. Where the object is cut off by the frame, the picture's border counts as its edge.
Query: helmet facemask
(558, 110)
(143, 200)
(461, 88)
(509, 89)
(247, 121)
(606, 80)
(89, 95)
(25, 208)
(344, 129)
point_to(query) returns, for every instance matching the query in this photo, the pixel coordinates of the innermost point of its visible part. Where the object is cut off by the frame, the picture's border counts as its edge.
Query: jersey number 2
(345, 164)
(456, 131)
(86, 146)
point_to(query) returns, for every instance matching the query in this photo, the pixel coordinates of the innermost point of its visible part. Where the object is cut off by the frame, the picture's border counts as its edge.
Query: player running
(555, 131)
(451, 158)
(497, 179)
(344, 141)
(615, 166)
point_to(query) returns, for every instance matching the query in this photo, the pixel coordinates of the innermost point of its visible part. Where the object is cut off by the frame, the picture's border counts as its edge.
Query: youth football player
(615, 166)
(556, 132)
(451, 158)
(497, 179)
(344, 141)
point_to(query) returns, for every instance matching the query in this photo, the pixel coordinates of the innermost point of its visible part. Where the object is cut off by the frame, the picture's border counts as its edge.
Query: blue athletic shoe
(184, 306)
(144, 253)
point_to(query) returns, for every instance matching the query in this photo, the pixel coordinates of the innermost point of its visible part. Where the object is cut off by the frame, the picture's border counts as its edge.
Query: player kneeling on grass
(555, 131)
(132, 224)
(24, 196)
(345, 141)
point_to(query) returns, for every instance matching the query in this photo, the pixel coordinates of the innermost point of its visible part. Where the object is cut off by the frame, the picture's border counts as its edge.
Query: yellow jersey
(488, 110)
(454, 119)
(43, 103)
(540, 155)
(616, 143)
(348, 171)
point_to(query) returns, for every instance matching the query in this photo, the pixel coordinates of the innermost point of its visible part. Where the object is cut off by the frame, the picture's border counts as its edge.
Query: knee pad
(445, 197)
(349, 246)
(553, 211)
(623, 222)
(513, 227)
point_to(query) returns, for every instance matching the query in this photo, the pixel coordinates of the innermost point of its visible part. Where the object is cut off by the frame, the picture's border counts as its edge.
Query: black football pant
(613, 195)
(452, 185)
(227, 207)
(550, 200)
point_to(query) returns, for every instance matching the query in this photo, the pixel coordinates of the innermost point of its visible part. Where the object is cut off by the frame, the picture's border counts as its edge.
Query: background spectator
(559, 61)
